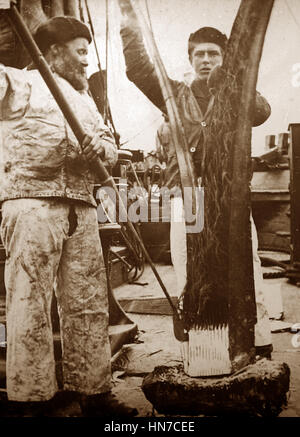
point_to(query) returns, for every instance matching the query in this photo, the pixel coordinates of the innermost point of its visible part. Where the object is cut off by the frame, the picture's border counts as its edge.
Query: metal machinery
(293, 271)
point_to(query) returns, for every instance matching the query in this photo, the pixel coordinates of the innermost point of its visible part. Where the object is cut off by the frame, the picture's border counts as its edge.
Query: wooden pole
(186, 168)
(106, 180)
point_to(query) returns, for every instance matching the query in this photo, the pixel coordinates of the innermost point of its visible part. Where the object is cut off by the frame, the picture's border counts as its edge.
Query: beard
(71, 70)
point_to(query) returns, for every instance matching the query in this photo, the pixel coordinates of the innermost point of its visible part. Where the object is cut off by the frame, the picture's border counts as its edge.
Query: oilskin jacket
(194, 101)
(39, 154)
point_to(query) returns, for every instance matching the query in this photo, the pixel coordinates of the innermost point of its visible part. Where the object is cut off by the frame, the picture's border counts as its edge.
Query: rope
(106, 54)
(141, 131)
(149, 17)
(81, 14)
(107, 111)
(292, 14)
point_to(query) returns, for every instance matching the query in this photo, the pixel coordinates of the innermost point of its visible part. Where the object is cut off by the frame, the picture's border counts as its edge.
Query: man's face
(71, 61)
(205, 57)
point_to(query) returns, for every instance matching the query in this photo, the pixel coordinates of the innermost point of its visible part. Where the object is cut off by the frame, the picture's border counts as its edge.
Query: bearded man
(50, 231)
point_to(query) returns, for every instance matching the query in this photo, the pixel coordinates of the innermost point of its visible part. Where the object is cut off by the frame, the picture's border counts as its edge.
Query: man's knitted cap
(208, 34)
(59, 30)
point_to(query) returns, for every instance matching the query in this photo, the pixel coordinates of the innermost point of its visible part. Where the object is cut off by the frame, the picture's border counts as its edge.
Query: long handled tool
(24, 34)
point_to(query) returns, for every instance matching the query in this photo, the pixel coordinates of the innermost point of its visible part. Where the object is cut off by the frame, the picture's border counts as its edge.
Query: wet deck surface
(159, 346)
(155, 343)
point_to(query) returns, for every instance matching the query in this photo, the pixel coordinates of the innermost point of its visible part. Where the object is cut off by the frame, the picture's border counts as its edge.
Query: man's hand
(93, 147)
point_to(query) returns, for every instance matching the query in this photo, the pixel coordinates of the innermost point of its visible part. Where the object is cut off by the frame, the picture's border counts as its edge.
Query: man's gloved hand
(93, 147)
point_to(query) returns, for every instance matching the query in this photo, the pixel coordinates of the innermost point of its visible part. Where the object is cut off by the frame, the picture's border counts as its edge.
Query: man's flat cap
(59, 30)
(209, 34)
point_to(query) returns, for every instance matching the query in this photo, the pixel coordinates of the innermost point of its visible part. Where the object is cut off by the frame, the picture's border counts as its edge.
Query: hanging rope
(142, 130)
(106, 53)
(107, 116)
(292, 14)
(81, 14)
(149, 17)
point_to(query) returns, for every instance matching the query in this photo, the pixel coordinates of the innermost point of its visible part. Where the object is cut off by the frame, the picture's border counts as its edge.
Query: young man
(205, 49)
(50, 231)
